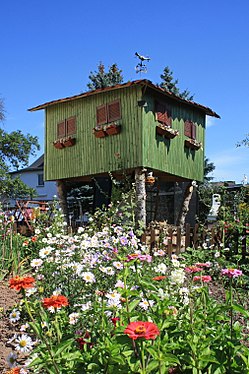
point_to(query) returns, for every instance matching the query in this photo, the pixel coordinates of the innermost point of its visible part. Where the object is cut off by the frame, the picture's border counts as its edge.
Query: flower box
(58, 144)
(113, 129)
(166, 131)
(69, 142)
(99, 133)
(192, 144)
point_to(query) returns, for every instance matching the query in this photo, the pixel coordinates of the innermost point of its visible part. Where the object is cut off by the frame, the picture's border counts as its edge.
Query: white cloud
(210, 121)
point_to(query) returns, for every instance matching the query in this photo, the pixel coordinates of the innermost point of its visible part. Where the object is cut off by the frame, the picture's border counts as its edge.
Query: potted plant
(99, 132)
(113, 128)
(150, 179)
(58, 144)
(192, 144)
(167, 131)
(69, 141)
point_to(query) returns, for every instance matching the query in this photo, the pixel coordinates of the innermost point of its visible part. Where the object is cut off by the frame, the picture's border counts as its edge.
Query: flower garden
(98, 301)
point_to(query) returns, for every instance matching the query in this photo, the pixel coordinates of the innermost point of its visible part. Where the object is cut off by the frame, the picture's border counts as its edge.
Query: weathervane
(141, 67)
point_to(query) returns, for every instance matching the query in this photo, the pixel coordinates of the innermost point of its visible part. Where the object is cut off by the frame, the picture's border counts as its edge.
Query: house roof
(141, 82)
(37, 165)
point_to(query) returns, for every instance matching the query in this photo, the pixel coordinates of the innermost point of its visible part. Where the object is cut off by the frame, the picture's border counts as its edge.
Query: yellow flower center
(140, 330)
(23, 343)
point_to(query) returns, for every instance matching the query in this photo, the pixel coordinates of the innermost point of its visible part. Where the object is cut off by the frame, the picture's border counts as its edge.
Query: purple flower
(123, 240)
(231, 273)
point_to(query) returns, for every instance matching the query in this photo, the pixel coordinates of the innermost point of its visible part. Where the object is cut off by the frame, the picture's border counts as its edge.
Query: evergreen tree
(205, 191)
(102, 79)
(169, 84)
(15, 148)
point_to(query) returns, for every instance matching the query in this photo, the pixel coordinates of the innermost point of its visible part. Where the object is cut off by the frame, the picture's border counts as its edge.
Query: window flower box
(69, 141)
(99, 132)
(58, 144)
(113, 129)
(166, 131)
(192, 144)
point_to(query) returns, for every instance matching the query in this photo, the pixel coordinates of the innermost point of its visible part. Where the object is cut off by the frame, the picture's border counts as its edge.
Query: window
(40, 179)
(190, 129)
(163, 114)
(108, 112)
(66, 127)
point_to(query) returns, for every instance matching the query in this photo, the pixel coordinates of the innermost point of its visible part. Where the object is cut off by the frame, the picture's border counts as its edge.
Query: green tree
(170, 84)
(15, 149)
(102, 78)
(205, 191)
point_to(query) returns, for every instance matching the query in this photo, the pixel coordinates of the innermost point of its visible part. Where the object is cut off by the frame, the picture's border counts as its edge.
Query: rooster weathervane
(141, 67)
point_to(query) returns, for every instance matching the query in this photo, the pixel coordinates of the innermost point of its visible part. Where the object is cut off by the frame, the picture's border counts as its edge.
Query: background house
(155, 130)
(33, 176)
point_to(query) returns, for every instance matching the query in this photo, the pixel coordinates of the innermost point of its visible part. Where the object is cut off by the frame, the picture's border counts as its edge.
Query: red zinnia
(14, 371)
(56, 301)
(19, 283)
(140, 329)
(203, 278)
(159, 278)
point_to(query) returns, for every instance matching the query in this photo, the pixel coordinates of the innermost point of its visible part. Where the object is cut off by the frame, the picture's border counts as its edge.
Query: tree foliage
(15, 149)
(170, 84)
(244, 142)
(205, 191)
(102, 78)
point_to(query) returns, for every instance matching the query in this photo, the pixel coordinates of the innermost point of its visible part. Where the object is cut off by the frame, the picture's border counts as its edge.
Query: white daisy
(23, 343)
(14, 316)
(36, 263)
(88, 277)
(118, 265)
(44, 252)
(145, 304)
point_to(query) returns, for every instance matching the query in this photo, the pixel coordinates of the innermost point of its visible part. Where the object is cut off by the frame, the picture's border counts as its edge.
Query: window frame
(191, 131)
(105, 118)
(39, 177)
(65, 132)
(163, 113)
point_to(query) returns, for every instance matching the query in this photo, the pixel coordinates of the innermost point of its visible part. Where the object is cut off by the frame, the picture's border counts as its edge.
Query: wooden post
(62, 195)
(140, 197)
(185, 206)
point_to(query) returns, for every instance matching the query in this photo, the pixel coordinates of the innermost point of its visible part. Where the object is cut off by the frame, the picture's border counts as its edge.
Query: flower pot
(58, 145)
(113, 130)
(170, 134)
(69, 142)
(99, 133)
(192, 144)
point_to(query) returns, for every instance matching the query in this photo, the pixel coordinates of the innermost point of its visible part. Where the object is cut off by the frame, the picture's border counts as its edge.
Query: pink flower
(193, 269)
(138, 256)
(202, 278)
(203, 264)
(231, 273)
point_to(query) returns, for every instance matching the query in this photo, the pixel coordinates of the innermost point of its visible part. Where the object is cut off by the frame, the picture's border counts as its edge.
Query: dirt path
(8, 298)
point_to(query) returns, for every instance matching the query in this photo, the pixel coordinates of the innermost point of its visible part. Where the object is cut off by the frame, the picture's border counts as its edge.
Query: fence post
(187, 238)
(169, 245)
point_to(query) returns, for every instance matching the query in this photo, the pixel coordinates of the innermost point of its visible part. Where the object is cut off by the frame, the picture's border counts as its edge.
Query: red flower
(20, 283)
(82, 341)
(193, 269)
(34, 238)
(203, 278)
(14, 371)
(56, 301)
(140, 329)
(115, 320)
(159, 278)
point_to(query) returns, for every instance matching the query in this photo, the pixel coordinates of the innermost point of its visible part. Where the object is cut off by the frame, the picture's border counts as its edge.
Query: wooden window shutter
(61, 129)
(188, 128)
(193, 131)
(114, 112)
(71, 126)
(163, 114)
(101, 115)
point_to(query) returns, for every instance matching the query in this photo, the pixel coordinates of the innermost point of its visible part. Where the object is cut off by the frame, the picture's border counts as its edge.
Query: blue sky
(48, 49)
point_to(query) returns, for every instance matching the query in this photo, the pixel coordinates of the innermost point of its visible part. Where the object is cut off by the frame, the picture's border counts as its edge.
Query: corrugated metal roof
(141, 82)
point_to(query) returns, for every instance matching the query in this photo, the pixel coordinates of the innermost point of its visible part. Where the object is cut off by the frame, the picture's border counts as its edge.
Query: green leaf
(62, 346)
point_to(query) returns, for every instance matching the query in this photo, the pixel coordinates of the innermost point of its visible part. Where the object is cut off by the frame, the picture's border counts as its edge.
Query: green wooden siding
(91, 155)
(137, 144)
(170, 155)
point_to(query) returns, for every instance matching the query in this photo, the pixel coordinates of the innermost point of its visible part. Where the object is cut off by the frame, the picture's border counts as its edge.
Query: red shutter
(71, 126)
(193, 130)
(61, 129)
(188, 128)
(163, 114)
(101, 115)
(114, 112)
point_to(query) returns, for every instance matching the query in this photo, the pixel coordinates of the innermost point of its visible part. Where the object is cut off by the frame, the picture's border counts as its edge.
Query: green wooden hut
(128, 127)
